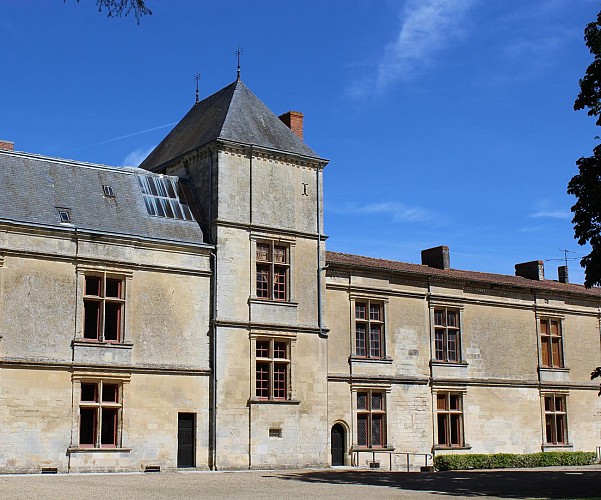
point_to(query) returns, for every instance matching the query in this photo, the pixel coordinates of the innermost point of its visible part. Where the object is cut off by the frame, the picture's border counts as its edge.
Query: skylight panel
(108, 191)
(163, 197)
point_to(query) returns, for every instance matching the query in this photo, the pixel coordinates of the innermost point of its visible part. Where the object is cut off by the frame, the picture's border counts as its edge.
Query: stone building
(186, 314)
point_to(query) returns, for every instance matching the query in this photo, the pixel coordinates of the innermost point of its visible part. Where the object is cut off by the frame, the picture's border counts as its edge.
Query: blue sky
(447, 122)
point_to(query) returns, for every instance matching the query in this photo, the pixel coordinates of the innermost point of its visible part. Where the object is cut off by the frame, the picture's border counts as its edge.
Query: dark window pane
(279, 381)
(360, 310)
(87, 426)
(110, 393)
(113, 288)
(108, 428)
(374, 341)
(362, 401)
(88, 392)
(455, 430)
(263, 282)
(442, 429)
(439, 317)
(112, 321)
(262, 348)
(262, 380)
(376, 430)
(374, 312)
(91, 318)
(360, 339)
(362, 430)
(279, 350)
(376, 401)
(439, 347)
(92, 285)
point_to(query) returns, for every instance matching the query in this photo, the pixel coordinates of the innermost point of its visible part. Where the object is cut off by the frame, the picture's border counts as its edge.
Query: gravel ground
(573, 482)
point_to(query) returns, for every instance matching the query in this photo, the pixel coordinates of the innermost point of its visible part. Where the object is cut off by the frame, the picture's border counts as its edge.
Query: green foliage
(508, 460)
(586, 186)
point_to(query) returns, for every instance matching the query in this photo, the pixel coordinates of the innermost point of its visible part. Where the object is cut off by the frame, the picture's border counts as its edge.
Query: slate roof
(391, 266)
(234, 114)
(33, 187)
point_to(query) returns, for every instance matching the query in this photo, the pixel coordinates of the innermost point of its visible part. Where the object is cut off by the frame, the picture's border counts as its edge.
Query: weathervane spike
(238, 53)
(197, 78)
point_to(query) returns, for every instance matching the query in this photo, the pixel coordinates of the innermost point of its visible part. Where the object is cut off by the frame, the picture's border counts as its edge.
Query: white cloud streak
(136, 157)
(397, 211)
(546, 210)
(427, 28)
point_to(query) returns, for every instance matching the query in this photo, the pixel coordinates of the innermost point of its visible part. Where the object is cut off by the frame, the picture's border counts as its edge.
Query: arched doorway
(337, 444)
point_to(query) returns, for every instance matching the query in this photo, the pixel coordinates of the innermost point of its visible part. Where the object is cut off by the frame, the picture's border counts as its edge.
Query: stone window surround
(563, 393)
(386, 389)
(460, 308)
(272, 239)
(551, 316)
(126, 275)
(367, 298)
(447, 390)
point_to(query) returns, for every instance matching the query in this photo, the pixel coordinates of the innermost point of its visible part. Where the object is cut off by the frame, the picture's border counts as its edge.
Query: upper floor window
(100, 414)
(371, 418)
(103, 304)
(369, 329)
(447, 335)
(551, 343)
(272, 369)
(273, 271)
(556, 425)
(449, 419)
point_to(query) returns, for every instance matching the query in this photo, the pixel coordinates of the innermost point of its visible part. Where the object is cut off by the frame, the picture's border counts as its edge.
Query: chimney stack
(562, 273)
(7, 145)
(438, 257)
(294, 121)
(533, 270)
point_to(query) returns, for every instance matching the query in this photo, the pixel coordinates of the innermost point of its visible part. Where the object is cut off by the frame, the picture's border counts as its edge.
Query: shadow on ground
(504, 484)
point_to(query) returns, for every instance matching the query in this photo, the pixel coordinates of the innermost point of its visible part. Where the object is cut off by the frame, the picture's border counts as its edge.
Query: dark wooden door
(337, 445)
(186, 440)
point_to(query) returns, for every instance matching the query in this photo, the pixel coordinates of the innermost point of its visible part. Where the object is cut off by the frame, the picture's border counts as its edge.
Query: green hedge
(506, 460)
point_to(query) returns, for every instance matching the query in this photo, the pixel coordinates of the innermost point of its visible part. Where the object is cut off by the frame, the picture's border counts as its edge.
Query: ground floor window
(100, 414)
(371, 418)
(556, 424)
(272, 369)
(449, 419)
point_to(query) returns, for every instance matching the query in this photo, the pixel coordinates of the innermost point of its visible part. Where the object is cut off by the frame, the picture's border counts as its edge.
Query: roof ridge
(66, 161)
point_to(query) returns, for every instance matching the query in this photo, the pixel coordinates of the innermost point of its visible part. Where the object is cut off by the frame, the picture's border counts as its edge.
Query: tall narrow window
(551, 343)
(449, 418)
(369, 329)
(99, 414)
(371, 419)
(447, 335)
(103, 303)
(272, 372)
(556, 428)
(273, 268)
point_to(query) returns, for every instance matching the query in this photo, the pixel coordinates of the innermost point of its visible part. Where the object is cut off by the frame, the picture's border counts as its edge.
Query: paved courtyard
(575, 482)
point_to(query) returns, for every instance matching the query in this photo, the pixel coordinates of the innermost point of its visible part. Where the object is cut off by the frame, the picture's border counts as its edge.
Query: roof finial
(238, 53)
(197, 78)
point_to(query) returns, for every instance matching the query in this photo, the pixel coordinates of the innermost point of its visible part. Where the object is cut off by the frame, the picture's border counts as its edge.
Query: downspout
(320, 269)
(213, 366)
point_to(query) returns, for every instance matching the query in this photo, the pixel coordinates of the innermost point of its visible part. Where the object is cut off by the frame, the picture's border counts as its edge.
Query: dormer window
(163, 197)
(65, 216)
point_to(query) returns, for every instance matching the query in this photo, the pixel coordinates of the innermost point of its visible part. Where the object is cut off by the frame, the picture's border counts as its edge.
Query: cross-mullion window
(103, 303)
(99, 414)
(371, 419)
(449, 413)
(551, 343)
(556, 429)
(369, 329)
(447, 335)
(273, 268)
(272, 380)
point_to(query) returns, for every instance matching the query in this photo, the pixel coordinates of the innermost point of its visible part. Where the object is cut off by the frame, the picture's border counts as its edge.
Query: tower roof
(234, 114)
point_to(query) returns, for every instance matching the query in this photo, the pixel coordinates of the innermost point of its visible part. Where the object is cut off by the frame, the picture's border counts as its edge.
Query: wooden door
(186, 440)
(337, 443)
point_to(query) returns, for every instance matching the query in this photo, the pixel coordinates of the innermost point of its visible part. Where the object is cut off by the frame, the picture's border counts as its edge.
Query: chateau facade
(186, 314)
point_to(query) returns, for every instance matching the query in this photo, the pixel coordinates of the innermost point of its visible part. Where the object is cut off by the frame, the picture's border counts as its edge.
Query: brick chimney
(533, 270)
(7, 145)
(294, 121)
(438, 257)
(562, 273)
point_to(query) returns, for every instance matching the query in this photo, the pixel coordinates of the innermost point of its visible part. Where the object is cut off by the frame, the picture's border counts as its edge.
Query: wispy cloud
(546, 209)
(397, 211)
(427, 28)
(136, 157)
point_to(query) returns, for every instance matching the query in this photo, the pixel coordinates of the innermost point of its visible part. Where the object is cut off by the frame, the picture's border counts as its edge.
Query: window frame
(104, 303)
(554, 418)
(96, 408)
(276, 272)
(269, 367)
(368, 414)
(443, 330)
(447, 414)
(547, 341)
(368, 351)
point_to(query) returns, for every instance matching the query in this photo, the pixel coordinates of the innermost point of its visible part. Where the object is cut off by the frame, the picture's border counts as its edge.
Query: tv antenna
(197, 78)
(565, 257)
(238, 54)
